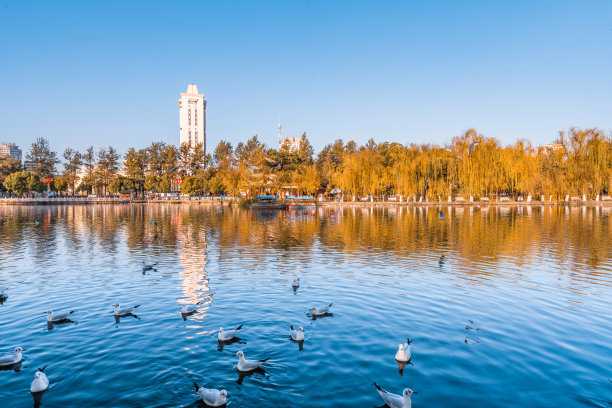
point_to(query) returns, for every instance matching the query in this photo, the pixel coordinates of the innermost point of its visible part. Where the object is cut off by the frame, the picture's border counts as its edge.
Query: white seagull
(228, 335)
(322, 311)
(248, 365)
(211, 397)
(122, 311)
(148, 266)
(58, 317)
(297, 335)
(40, 383)
(403, 352)
(296, 283)
(394, 400)
(12, 359)
(189, 308)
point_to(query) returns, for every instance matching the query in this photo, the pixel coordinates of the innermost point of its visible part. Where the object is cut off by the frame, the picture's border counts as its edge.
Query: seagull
(296, 283)
(322, 311)
(248, 365)
(229, 334)
(148, 266)
(441, 215)
(394, 400)
(124, 310)
(297, 335)
(403, 352)
(58, 317)
(14, 359)
(472, 145)
(189, 308)
(40, 383)
(211, 397)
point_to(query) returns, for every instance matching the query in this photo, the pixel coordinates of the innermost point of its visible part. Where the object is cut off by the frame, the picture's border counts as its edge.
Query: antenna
(280, 133)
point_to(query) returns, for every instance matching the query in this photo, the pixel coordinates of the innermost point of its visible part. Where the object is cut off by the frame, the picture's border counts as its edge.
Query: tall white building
(192, 113)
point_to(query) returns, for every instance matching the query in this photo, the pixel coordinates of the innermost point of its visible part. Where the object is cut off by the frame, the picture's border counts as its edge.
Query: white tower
(280, 136)
(192, 114)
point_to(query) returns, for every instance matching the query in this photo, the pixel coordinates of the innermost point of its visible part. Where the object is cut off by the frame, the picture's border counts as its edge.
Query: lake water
(517, 313)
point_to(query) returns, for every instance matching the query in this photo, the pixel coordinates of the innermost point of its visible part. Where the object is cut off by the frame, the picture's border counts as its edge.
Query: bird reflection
(315, 317)
(50, 325)
(123, 316)
(13, 367)
(442, 259)
(37, 398)
(401, 365)
(223, 343)
(243, 374)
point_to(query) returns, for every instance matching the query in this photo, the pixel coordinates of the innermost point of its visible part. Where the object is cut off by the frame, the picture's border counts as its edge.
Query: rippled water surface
(517, 312)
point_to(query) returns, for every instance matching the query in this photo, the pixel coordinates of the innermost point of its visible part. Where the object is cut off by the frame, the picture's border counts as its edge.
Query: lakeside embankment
(230, 202)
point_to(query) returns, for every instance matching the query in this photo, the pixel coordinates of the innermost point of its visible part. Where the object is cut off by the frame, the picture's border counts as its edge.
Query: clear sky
(101, 73)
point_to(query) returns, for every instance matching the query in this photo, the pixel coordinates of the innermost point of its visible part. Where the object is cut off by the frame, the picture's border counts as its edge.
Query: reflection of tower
(192, 258)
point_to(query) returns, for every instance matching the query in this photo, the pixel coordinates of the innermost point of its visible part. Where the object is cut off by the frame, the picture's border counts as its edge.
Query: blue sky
(110, 72)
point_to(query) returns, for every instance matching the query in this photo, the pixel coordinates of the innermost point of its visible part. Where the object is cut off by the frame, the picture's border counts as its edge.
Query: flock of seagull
(210, 397)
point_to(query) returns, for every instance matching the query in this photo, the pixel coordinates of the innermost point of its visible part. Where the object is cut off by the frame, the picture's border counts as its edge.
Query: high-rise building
(291, 143)
(10, 149)
(192, 113)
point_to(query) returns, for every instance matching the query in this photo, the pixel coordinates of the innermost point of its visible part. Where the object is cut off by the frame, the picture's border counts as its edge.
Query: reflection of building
(10, 149)
(192, 258)
(192, 114)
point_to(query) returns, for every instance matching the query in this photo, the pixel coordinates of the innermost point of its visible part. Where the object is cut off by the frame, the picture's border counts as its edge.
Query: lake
(507, 306)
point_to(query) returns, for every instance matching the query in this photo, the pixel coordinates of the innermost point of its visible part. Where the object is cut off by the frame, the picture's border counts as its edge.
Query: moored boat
(268, 202)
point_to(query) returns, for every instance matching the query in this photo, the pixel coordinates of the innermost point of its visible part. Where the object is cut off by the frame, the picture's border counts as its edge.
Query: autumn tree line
(578, 162)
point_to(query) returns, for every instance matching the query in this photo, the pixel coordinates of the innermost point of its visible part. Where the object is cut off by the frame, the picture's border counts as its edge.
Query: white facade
(192, 114)
(10, 149)
(292, 143)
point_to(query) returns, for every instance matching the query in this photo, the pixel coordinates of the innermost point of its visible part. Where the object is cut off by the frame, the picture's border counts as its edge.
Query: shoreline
(228, 203)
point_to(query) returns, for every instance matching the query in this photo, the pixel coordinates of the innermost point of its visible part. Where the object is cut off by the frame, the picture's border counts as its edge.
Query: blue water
(518, 313)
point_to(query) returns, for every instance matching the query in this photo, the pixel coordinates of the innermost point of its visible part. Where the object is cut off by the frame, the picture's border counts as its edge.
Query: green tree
(8, 165)
(192, 185)
(120, 184)
(72, 164)
(59, 184)
(43, 159)
(22, 182)
(152, 183)
(135, 163)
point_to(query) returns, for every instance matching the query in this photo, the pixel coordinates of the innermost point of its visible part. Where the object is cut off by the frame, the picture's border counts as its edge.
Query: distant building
(10, 149)
(192, 114)
(549, 148)
(291, 143)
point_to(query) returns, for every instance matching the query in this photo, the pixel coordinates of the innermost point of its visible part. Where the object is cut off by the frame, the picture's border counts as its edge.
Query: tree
(43, 159)
(72, 164)
(8, 165)
(164, 185)
(135, 164)
(108, 164)
(151, 183)
(22, 182)
(59, 184)
(192, 185)
(121, 183)
(89, 163)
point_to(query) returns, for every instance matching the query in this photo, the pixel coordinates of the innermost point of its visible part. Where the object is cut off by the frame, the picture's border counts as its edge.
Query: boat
(267, 202)
(301, 203)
